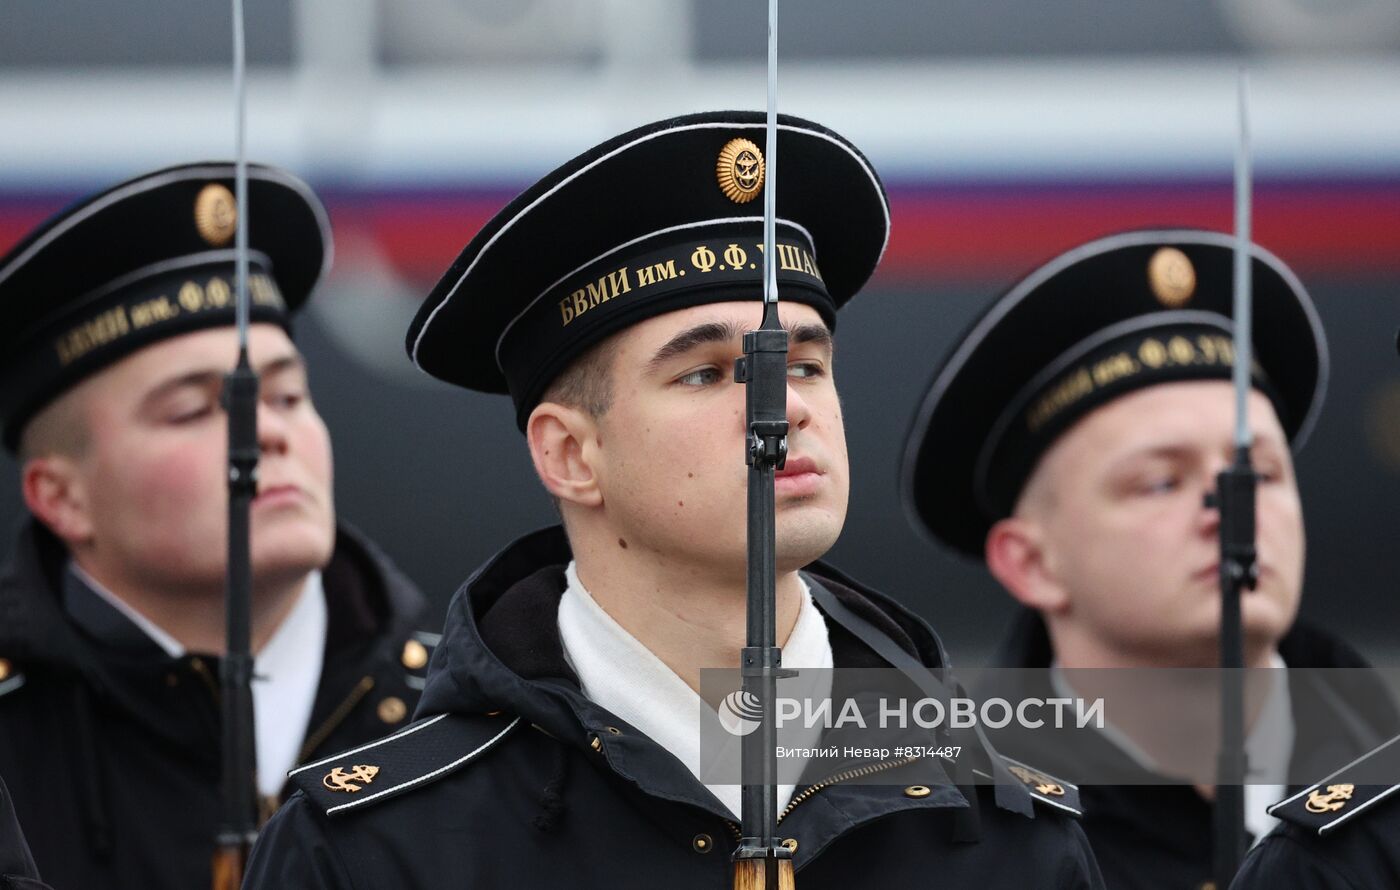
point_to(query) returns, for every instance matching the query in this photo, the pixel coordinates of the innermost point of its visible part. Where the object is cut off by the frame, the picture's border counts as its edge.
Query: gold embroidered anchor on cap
(1172, 277)
(1332, 800)
(740, 169)
(215, 214)
(339, 780)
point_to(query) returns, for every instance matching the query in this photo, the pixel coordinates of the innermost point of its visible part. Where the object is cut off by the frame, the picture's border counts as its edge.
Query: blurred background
(1006, 131)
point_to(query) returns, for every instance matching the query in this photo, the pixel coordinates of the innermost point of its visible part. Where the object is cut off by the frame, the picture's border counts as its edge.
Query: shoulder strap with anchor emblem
(1342, 796)
(1046, 788)
(415, 756)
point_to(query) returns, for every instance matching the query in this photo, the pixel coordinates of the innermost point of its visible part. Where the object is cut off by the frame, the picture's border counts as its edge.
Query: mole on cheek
(622, 543)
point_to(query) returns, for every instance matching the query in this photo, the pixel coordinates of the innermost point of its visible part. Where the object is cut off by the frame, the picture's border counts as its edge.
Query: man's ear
(1019, 557)
(563, 445)
(55, 492)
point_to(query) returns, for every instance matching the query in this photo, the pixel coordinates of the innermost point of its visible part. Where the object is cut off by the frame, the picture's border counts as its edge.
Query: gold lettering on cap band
(149, 312)
(215, 214)
(740, 170)
(1204, 350)
(594, 294)
(649, 275)
(112, 324)
(97, 331)
(703, 259)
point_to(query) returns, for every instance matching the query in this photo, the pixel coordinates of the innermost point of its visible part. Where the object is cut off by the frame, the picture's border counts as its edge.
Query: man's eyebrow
(1268, 449)
(819, 334)
(1264, 443)
(214, 377)
(688, 339)
(293, 361)
(1155, 451)
(202, 378)
(724, 332)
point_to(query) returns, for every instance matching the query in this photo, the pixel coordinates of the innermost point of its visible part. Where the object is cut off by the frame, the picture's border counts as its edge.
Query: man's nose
(799, 413)
(272, 430)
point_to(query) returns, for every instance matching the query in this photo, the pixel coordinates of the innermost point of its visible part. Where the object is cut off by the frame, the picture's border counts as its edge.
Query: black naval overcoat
(1148, 835)
(510, 777)
(1339, 834)
(113, 756)
(17, 868)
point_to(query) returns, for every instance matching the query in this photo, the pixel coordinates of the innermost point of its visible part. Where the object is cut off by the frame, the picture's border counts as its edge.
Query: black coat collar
(368, 602)
(501, 651)
(501, 645)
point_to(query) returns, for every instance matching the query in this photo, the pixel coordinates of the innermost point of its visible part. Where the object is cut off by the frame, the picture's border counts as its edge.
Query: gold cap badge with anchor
(215, 214)
(1172, 277)
(740, 169)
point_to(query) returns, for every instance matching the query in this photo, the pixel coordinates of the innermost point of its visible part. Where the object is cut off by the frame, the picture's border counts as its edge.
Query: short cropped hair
(587, 384)
(59, 428)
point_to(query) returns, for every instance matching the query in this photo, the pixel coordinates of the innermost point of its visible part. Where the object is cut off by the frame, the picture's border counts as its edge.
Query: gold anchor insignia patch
(1041, 783)
(740, 169)
(339, 780)
(1334, 799)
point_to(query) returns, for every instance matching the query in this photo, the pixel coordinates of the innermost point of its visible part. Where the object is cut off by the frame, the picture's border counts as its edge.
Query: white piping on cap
(713, 125)
(211, 171)
(1018, 293)
(1070, 356)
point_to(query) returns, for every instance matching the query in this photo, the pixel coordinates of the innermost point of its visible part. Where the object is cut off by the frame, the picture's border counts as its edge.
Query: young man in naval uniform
(119, 329)
(557, 738)
(1069, 441)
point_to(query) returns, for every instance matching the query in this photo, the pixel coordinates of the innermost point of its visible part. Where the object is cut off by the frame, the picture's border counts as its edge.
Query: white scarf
(622, 675)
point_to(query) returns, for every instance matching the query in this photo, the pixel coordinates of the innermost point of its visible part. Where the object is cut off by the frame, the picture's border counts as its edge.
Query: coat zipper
(312, 742)
(844, 776)
(322, 732)
(337, 717)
